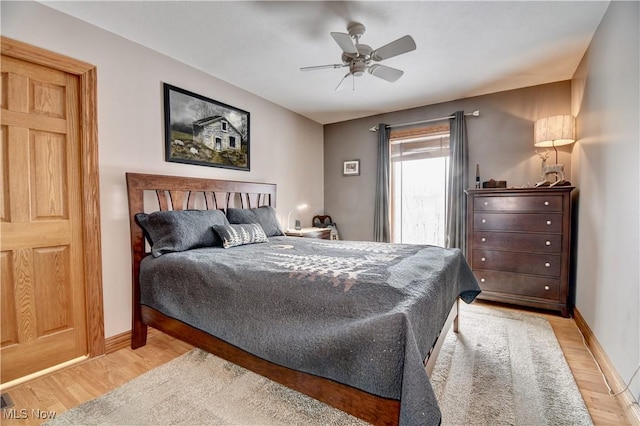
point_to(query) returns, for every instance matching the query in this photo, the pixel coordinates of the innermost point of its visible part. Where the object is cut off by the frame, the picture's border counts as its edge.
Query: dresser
(519, 245)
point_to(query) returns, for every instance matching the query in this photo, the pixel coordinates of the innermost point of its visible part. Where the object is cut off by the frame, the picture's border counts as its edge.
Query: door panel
(48, 153)
(43, 294)
(4, 175)
(9, 321)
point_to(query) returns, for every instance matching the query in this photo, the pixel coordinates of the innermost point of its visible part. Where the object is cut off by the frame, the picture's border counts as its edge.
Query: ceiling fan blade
(385, 73)
(402, 45)
(345, 42)
(322, 67)
(343, 78)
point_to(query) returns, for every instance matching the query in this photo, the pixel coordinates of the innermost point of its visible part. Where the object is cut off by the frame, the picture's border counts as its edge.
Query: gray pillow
(265, 216)
(237, 235)
(180, 230)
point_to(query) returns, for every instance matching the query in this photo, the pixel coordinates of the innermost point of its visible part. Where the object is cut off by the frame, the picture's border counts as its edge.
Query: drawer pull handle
(546, 287)
(486, 203)
(482, 280)
(548, 243)
(483, 259)
(483, 239)
(547, 264)
(484, 221)
(546, 203)
(548, 222)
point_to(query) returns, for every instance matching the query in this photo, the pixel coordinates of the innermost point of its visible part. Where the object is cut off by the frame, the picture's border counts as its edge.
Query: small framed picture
(351, 168)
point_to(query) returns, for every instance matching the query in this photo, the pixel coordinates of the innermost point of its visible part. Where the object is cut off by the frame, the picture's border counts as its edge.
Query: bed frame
(178, 193)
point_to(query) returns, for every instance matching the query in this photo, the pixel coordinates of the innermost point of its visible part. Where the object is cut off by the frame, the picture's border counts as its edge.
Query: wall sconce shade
(554, 131)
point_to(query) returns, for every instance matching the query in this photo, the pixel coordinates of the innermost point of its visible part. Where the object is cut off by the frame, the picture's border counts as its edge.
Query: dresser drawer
(503, 282)
(522, 263)
(521, 222)
(539, 243)
(536, 203)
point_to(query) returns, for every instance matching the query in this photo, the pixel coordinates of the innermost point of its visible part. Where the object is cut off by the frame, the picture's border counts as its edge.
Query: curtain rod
(475, 113)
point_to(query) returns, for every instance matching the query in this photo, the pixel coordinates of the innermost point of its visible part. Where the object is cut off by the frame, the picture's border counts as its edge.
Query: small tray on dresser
(519, 245)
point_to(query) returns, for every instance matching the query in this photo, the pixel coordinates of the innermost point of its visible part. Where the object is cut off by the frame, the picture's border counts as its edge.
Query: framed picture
(205, 132)
(351, 168)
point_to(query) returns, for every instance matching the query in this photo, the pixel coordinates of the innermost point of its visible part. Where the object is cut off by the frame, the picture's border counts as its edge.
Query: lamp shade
(554, 131)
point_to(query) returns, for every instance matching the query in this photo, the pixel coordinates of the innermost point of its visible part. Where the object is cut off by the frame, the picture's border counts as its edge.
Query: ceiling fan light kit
(359, 57)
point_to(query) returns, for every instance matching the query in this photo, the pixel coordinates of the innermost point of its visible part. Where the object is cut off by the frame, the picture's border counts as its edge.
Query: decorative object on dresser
(321, 233)
(519, 245)
(551, 132)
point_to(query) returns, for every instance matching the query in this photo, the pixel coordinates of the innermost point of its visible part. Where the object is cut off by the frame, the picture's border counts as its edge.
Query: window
(218, 145)
(232, 142)
(224, 125)
(419, 168)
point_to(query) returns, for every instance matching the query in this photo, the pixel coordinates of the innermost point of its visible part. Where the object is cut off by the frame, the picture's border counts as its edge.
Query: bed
(356, 325)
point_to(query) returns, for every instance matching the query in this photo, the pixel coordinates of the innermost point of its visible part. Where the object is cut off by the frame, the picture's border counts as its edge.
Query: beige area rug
(503, 368)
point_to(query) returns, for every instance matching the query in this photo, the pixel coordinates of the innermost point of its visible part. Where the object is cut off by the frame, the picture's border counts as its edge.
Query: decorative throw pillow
(265, 216)
(180, 230)
(237, 235)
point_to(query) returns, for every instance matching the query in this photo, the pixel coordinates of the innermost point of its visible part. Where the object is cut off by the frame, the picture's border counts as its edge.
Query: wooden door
(42, 239)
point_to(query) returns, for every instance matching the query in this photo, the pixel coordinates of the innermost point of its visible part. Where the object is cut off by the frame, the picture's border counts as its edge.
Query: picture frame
(202, 131)
(351, 168)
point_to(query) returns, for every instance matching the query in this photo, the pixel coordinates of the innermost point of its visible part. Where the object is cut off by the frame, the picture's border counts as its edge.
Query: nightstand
(320, 233)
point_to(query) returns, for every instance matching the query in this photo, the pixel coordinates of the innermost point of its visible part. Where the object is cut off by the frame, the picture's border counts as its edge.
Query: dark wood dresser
(519, 244)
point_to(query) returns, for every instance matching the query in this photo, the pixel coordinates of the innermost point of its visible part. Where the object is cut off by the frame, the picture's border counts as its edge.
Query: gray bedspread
(360, 313)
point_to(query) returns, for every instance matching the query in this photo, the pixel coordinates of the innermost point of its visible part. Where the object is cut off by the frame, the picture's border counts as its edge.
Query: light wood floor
(62, 390)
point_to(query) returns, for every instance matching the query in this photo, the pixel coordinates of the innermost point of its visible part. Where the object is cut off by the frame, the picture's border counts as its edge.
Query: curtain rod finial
(374, 129)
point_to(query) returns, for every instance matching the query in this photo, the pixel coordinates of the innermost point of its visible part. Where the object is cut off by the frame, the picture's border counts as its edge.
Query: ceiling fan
(359, 57)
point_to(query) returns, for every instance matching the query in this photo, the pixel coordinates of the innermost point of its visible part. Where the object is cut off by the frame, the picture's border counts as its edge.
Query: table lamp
(300, 207)
(552, 132)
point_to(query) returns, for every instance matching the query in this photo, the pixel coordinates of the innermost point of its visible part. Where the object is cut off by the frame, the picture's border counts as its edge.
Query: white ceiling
(463, 48)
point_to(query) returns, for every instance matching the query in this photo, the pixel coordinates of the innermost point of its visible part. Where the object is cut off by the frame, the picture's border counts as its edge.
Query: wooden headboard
(179, 193)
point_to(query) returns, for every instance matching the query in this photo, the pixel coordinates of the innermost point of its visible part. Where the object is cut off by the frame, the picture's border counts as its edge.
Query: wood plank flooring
(64, 389)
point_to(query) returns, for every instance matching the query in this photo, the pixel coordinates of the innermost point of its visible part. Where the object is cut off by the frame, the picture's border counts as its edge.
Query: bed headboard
(179, 193)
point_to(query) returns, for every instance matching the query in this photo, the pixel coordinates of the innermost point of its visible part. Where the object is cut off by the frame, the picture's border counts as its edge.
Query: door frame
(92, 261)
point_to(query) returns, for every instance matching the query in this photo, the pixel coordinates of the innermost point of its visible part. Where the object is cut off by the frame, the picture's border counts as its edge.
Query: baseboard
(123, 340)
(617, 383)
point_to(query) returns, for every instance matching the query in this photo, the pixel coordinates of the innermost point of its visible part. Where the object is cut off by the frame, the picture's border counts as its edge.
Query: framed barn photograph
(201, 131)
(351, 168)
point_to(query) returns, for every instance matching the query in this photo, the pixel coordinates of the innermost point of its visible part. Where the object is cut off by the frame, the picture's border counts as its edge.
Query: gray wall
(500, 140)
(606, 102)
